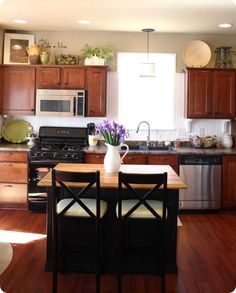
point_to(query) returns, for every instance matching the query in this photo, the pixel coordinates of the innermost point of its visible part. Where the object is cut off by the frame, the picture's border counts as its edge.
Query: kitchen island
(109, 185)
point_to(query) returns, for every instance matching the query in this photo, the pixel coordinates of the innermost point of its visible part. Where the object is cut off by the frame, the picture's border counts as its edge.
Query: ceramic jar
(34, 53)
(44, 57)
(227, 141)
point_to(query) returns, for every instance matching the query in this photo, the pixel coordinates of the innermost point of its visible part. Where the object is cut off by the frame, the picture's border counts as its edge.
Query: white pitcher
(112, 159)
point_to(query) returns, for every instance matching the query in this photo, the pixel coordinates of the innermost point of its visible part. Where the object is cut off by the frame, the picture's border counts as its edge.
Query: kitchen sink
(148, 148)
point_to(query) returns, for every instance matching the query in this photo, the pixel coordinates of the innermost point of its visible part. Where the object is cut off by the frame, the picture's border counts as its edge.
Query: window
(146, 98)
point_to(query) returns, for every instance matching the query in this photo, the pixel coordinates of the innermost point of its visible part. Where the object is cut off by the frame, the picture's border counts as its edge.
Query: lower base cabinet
(13, 195)
(172, 160)
(13, 180)
(228, 182)
(142, 159)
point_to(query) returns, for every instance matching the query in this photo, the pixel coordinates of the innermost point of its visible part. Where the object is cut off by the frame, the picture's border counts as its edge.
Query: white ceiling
(178, 16)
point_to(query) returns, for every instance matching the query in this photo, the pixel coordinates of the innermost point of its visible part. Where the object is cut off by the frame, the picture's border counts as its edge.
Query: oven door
(37, 196)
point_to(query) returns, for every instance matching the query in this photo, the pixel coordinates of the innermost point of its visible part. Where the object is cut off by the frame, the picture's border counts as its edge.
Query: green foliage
(101, 52)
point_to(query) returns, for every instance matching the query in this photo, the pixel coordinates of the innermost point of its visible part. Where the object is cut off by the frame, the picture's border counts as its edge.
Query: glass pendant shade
(147, 69)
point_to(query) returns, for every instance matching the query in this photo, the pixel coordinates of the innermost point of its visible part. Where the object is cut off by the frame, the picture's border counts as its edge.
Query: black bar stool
(76, 204)
(135, 207)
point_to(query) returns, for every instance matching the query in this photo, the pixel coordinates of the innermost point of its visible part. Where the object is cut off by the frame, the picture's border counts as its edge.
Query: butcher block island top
(110, 180)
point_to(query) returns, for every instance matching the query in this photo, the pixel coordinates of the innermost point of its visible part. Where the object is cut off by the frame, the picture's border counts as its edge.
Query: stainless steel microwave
(63, 103)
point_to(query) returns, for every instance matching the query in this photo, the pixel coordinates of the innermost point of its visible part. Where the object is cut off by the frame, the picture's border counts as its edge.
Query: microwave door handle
(75, 106)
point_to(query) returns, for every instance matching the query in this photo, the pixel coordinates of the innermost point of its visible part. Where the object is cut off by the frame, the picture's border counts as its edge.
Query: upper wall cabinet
(18, 90)
(18, 84)
(210, 93)
(96, 81)
(60, 77)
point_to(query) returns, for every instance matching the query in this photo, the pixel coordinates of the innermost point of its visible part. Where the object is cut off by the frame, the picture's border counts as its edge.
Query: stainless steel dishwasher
(202, 174)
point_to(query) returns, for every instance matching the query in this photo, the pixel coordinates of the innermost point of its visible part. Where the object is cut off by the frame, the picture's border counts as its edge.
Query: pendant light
(147, 69)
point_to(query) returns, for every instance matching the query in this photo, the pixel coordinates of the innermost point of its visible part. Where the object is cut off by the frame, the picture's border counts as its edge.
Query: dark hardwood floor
(206, 259)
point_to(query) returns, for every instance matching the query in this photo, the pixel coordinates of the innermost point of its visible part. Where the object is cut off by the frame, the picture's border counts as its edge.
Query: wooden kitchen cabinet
(210, 93)
(92, 158)
(1, 90)
(60, 77)
(228, 182)
(135, 159)
(18, 90)
(96, 85)
(13, 179)
(160, 159)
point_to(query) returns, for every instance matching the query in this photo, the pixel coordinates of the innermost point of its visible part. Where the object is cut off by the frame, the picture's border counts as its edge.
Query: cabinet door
(229, 183)
(96, 81)
(13, 172)
(172, 160)
(1, 90)
(135, 159)
(223, 82)
(13, 196)
(198, 94)
(19, 90)
(13, 157)
(94, 158)
(48, 77)
(73, 78)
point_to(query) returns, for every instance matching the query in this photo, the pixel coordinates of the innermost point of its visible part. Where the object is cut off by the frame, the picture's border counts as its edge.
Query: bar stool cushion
(77, 211)
(141, 211)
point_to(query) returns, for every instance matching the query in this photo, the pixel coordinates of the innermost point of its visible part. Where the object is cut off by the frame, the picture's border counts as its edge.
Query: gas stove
(59, 144)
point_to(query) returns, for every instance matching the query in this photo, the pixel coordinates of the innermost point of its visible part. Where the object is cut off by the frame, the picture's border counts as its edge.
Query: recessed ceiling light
(84, 21)
(20, 21)
(225, 25)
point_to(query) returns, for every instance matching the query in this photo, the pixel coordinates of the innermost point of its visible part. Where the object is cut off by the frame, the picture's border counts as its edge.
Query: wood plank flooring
(206, 259)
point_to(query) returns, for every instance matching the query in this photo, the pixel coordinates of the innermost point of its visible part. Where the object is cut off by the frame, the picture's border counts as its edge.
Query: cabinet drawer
(13, 156)
(94, 158)
(13, 172)
(162, 159)
(135, 159)
(13, 195)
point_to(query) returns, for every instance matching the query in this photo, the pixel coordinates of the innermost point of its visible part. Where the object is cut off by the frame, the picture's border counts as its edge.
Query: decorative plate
(16, 130)
(196, 54)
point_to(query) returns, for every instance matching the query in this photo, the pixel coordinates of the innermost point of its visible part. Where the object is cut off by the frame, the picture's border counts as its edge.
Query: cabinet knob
(8, 185)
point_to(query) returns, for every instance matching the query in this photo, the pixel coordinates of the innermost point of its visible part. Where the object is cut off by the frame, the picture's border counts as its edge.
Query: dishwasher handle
(200, 160)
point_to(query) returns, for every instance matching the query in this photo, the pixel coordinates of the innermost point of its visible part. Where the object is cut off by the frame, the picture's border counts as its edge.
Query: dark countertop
(101, 149)
(179, 151)
(18, 147)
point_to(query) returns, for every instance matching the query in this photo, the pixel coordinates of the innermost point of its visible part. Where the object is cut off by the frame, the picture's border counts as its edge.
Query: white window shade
(150, 99)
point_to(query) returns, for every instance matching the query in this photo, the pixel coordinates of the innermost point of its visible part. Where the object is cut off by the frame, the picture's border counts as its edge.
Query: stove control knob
(67, 156)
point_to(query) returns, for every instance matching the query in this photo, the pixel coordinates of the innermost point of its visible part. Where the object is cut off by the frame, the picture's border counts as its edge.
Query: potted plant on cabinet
(96, 56)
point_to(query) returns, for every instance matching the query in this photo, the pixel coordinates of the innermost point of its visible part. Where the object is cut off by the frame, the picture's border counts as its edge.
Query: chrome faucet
(148, 136)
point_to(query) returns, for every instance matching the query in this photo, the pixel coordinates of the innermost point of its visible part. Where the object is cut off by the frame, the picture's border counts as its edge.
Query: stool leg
(163, 286)
(119, 283)
(54, 282)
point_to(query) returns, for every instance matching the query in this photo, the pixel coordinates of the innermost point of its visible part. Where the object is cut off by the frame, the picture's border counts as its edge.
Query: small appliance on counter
(227, 140)
(92, 137)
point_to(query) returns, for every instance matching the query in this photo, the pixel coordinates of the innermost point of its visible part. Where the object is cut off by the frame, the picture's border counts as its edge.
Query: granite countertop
(101, 149)
(23, 147)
